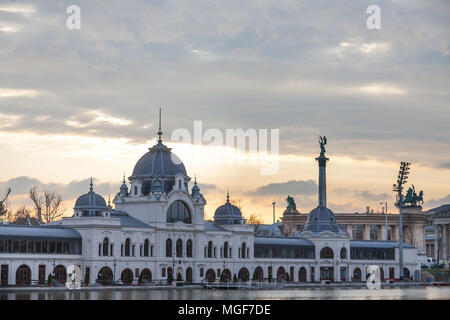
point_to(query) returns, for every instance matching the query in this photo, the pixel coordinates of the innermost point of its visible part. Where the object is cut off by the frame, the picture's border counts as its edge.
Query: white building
(157, 231)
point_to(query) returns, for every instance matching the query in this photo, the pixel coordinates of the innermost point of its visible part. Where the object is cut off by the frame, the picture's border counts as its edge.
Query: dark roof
(159, 161)
(128, 221)
(211, 226)
(44, 232)
(282, 241)
(439, 211)
(376, 244)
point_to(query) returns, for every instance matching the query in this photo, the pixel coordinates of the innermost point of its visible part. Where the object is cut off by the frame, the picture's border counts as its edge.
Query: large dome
(159, 161)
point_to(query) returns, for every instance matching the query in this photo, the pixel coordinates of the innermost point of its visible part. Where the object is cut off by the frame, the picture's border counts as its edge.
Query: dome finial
(123, 177)
(228, 195)
(195, 180)
(160, 132)
(91, 185)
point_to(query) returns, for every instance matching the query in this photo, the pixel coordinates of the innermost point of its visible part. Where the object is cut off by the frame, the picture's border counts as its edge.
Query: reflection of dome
(322, 219)
(90, 204)
(228, 214)
(159, 161)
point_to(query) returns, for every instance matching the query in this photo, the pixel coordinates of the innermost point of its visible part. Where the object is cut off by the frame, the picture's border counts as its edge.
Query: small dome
(124, 188)
(195, 189)
(228, 214)
(91, 204)
(322, 219)
(160, 162)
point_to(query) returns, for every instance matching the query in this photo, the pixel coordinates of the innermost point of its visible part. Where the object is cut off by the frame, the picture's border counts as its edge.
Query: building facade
(157, 232)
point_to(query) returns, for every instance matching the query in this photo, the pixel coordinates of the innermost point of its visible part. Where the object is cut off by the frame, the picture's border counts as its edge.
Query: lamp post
(386, 220)
(273, 205)
(398, 187)
(114, 274)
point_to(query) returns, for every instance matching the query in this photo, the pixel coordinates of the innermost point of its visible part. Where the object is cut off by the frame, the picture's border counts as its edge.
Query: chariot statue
(412, 198)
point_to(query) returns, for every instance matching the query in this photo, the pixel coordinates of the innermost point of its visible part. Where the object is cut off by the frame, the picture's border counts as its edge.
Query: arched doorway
(326, 253)
(23, 275)
(146, 275)
(406, 273)
(281, 273)
(357, 274)
(105, 276)
(170, 277)
(391, 273)
(127, 276)
(244, 275)
(225, 276)
(210, 275)
(60, 274)
(302, 274)
(258, 274)
(189, 275)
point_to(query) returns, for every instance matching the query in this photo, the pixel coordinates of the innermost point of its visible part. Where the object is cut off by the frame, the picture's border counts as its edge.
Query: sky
(84, 102)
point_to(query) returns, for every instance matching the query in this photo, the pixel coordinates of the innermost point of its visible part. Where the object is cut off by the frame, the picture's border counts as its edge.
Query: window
(168, 248)
(146, 248)
(326, 253)
(127, 247)
(225, 249)
(135, 190)
(178, 211)
(105, 246)
(132, 253)
(189, 248)
(163, 272)
(210, 248)
(179, 248)
(343, 253)
(243, 251)
(202, 272)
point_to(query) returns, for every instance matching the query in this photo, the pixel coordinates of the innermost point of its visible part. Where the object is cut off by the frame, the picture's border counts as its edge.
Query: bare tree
(254, 220)
(48, 205)
(288, 229)
(4, 207)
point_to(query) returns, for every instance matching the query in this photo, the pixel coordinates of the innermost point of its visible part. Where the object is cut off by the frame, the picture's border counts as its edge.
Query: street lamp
(398, 187)
(273, 205)
(386, 220)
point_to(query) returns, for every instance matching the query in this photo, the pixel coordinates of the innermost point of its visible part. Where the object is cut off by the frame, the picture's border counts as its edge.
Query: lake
(422, 293)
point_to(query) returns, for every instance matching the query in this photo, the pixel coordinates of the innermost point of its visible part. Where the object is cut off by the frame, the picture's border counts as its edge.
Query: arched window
(105, 246)
(210, 248)
(146, 246)
(243, 251)
(168, 248)
(178, 211)
(343, 253)
(326, 253)
(189, 248)
(135, 190)
(179, 248)
(225, 249)
(127, 247)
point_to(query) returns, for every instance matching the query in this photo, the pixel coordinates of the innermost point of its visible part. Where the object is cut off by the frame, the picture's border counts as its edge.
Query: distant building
(157, 231)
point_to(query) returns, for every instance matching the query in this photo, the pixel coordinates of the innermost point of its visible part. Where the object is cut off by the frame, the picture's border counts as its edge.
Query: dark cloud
(293, 187)
(369, 195)
(437, 202)
(445, 165)
(22, 185)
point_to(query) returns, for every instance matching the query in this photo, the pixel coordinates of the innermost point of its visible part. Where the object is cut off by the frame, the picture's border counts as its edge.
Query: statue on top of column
(322, 142)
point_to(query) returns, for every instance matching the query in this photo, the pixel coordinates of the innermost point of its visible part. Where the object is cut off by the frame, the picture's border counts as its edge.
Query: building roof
(211, 226)
(44, 232)
(376, 244)
(128, 221)
(158, 162)
(322, 219)
(439, 211)
(283, 241)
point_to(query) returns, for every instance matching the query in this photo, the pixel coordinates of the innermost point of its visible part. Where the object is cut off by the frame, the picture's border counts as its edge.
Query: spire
(123, 178)
(91, 186)
(195, 180)
(160, 132)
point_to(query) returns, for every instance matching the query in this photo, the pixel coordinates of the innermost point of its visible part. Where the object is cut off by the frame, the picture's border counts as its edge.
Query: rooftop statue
(412, 198)
(322, 142)
(291, 202)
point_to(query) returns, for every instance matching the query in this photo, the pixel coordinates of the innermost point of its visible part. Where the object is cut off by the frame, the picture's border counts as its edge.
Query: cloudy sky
(81, 103)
